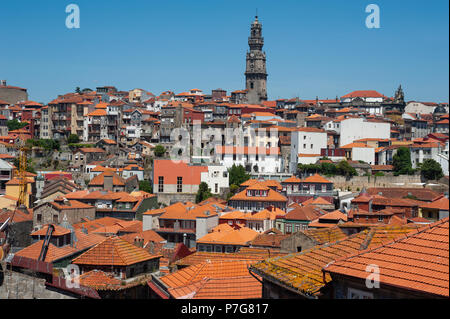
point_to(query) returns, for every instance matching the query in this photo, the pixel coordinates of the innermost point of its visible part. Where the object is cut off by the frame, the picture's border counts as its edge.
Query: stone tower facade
(255, 73)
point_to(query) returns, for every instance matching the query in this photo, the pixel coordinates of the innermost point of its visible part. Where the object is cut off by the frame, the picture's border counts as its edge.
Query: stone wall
(355, 182)
(13, 95)
(169, 199)
(16, 285)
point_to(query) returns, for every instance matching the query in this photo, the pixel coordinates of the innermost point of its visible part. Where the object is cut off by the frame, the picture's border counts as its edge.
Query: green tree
(402, 162)
(309, 168)
(203, 193)
(73, 138)
(29, 166)
(77, 90)
(15, 125)
(344, 169)
(430, 169)
(159, 150)
(145, 186)
(328, 169)
(237, 175)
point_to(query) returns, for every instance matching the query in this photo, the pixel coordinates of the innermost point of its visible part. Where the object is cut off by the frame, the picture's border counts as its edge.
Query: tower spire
(255, 74)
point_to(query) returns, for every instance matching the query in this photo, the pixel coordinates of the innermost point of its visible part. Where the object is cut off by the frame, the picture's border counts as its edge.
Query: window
(358, 294)
(179, 184)
(216, 188)
(304, 145)
(218, 249)
(161, 184)
(311, 146)
(288, 228)
(380, 218)
(324, 188)
(55, 219)
(39, 218)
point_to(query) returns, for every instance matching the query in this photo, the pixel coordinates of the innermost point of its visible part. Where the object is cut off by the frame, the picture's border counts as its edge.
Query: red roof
(172, 170)
(363, 93)
(418, 261)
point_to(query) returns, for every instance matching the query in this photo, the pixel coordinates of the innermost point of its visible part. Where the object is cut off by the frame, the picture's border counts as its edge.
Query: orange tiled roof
(242, 236)
(309, 212)
(98, 112)
(417, 261)
(100, 179)
(441, 204)
(147, 235)
(113, 251)
(316, 201)
(272, 196)
(267, 182)
(323, 236)
(303, 271)
(99, 280)
(214, 280)
(292, 179)
(335, 215)
(245, 253)
(55, 253)
(59, 231)
(357, 145)
(96, 223)
(316, 178)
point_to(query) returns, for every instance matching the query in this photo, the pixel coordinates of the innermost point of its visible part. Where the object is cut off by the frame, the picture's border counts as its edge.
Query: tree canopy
(15, 125)
(159, 150)
(402, 162)
(73, 138)
(430, 169)
(145, 186)
(237, 175)
(203, 193)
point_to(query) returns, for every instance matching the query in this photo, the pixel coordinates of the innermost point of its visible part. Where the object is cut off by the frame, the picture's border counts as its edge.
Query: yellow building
(12, 193)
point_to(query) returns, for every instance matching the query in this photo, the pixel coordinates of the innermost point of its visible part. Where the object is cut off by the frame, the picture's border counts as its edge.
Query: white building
(306, 144)
(353, 129)
(216, 177)
(442, 158)
(360, 152)
(255, 160)
(420, 107)
(422, 152)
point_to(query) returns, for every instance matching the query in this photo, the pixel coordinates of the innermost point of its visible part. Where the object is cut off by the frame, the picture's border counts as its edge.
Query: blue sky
(314, 48)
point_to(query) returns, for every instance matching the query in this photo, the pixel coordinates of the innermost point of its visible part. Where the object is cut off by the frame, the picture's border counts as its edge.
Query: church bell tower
(255, 73)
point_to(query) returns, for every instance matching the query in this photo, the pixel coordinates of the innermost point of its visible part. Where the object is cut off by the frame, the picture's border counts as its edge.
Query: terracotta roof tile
(214, 280)
(316, 178)
(99, 280)
(113, 251)
(303, 271)
(418, 261)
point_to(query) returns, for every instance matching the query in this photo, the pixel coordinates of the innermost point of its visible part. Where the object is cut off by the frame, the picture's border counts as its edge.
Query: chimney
(108, 182)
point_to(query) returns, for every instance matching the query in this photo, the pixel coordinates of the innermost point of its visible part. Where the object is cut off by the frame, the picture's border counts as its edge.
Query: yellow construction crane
(23, 185)
(22, 169)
